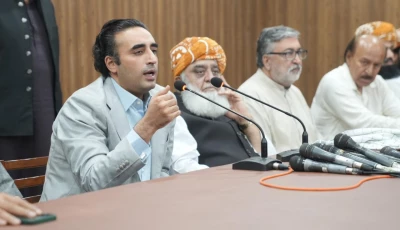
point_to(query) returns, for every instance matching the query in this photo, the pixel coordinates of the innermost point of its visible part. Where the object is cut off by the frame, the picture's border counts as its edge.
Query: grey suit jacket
(7, 183)
(89, 150)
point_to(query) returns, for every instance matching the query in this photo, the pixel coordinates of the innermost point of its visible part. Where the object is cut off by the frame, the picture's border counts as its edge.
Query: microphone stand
(304, 135)
(257, 163)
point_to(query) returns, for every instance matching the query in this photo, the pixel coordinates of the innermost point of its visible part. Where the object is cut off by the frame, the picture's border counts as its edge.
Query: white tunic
(285, 132)
(394, 85)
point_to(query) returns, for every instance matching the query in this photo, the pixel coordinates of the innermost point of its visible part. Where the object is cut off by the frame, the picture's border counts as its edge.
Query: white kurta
(285, 132)
(338, 105)
(394, 85)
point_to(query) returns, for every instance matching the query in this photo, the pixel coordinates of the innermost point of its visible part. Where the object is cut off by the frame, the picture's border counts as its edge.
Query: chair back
(29, 181)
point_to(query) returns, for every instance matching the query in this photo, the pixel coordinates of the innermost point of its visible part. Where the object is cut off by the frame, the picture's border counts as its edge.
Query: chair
(29, 181)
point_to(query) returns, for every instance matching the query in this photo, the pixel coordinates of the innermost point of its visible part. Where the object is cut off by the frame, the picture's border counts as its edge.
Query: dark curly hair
(105, 42)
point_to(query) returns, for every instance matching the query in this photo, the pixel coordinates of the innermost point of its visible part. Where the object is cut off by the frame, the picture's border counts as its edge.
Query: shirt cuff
(139, 145)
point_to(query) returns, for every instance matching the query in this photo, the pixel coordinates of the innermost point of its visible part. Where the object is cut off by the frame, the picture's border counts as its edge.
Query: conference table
(222, 198)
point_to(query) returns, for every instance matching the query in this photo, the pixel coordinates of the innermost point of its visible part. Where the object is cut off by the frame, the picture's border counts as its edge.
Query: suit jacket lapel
(121, 123)
(117, 111)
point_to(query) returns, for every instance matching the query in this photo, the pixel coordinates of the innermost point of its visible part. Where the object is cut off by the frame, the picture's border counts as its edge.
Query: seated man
(10, 202)
(222, 137)
(120, 128)
(279, 61)
(353, 95)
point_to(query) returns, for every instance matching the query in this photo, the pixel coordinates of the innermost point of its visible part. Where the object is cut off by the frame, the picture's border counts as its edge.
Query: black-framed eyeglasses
(290, 55)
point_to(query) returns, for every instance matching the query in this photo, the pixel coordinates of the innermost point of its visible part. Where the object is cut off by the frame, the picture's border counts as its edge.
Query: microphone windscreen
(179, 85)
(217, 82)
(304, 150)
(386, 150)
(296, 163)
(340, 140)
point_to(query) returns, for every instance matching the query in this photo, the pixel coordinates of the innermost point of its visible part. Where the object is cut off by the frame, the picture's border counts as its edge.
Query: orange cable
(316, 189)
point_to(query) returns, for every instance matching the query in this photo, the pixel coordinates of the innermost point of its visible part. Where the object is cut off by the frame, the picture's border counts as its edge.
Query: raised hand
(162, 109)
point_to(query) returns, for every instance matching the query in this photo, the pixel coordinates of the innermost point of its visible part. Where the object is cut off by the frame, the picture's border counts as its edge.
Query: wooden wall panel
(325, 25)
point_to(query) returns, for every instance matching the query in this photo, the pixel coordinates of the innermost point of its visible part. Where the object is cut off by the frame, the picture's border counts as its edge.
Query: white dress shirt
(184, 154)
(338, 105)
(285, 132)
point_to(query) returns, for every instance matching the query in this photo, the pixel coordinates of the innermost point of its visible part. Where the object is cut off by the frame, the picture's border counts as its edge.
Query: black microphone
(301, 164)
(262, 163)
(390, 152)
(344, 141)
(376, 166)
(315, 153)
(337, 151)
(217, 82)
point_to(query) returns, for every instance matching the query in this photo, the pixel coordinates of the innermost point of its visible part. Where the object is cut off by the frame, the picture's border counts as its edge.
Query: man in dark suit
(30, 94)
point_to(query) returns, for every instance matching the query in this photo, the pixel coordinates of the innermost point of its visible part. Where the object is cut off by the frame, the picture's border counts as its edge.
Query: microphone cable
(262, 182)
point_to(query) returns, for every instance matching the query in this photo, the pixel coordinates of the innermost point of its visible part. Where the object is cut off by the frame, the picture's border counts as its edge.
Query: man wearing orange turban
(222, 138)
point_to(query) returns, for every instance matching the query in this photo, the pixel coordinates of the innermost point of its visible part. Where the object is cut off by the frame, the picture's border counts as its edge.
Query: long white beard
(200, 106)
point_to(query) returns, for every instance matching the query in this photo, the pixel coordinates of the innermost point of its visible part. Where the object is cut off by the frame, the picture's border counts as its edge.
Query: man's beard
(287, 78)
(200, 106)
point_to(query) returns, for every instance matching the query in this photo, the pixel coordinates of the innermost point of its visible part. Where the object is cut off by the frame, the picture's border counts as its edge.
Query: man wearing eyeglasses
(279, 62)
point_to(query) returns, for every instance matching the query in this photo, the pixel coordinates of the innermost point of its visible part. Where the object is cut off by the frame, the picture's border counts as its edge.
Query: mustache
(368, 77)
(150, 69)
(387, 60)
(294, 67)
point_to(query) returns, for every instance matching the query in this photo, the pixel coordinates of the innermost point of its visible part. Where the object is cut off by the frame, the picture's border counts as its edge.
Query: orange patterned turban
(398, 38)
(383, 30)
(196, 48)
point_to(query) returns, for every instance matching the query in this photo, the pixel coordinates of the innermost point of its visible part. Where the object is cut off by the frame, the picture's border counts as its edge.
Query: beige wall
(326, 27)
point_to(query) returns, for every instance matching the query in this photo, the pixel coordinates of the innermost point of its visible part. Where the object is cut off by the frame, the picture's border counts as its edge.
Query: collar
(127, 99)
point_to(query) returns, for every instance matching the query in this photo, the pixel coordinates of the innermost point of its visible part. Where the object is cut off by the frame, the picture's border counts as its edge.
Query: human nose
(297, 59)
(152, 58)
(208, 75)
(370, 69)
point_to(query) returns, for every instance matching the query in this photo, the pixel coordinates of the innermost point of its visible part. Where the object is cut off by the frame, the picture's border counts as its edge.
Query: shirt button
(29, 71)
(26, 36)
(28, 53)
(28, 89)
(20, 4)
(24, 20)
(138, 102)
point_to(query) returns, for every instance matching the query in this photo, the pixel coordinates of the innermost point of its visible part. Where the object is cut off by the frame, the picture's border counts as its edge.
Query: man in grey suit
(110, 133)
(11, 203)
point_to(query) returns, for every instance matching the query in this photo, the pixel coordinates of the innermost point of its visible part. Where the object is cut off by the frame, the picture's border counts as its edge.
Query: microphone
(301, 164)
(217, 82)
(344, 141)
(315, 153)
(262, 163)
(390, 152)
(376, 166)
